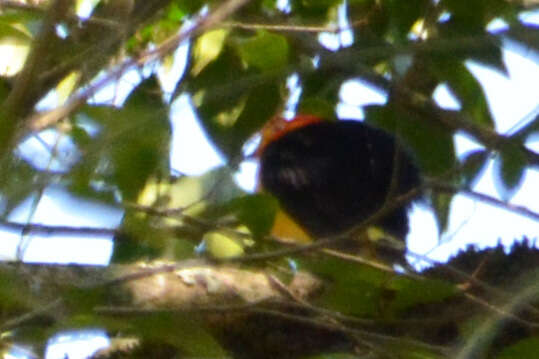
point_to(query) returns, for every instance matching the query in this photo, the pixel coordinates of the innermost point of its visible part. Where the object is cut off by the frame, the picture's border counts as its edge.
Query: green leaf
(207, 48)
(13, 296)
(410, 292)
(351, 288)
(21, 184)
(334, 356)
(527, 35)
(317, 106)
(222, 245)
(525, 348)
(256, 211)
(146, 235)
(83, 301)
(175, 12)
(510, 167)
(468, 91)
(321, 89)
(470, 18)
(265, 51)
(441, 202)
(314, 10)
(15, 47)
(404, 14)
(183, 331)
(473, 166)
(418, 133)
(474, 15)
(232, 103)
(132, 143)
(7, 30)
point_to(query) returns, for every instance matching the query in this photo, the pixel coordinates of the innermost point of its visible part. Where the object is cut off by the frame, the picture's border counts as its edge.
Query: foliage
(240, 55)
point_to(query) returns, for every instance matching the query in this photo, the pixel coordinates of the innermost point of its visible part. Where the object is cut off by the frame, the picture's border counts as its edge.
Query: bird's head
(278, 126)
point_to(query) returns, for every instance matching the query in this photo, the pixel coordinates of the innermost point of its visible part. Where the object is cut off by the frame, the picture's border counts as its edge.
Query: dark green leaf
(474, 15)
(20, 16)
(404, 14)
(14, 298)
(509, 170)
(265, 51)
(83, 301)
(410, 292)
(5, 88)
(526, 348)
(473, 166)
(181, 331)
(206, 49)
(441, 202)
(317, 106)
(527, 35)
(137, 240)
(314, 10)
(468, 91)
(321, 88)
(334, 356)
(256, 211)
(419, 134)
(21, 184)
(132, 143)
(233, 102)
(351, 289)
(7, 30)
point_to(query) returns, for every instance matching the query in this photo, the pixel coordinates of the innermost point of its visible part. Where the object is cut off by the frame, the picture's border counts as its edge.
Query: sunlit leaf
(207, 48)
(219, 244)
(66, 87)
(14, 51)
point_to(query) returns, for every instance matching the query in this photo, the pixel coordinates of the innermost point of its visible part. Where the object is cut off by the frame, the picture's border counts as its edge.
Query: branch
(445, 187)
(43, 229)
(40, 121)
(22, 95)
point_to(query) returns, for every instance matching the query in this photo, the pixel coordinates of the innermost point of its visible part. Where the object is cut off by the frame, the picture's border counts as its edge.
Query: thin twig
(27, 317)
(42, 120)
(43, 229)
(524, 211)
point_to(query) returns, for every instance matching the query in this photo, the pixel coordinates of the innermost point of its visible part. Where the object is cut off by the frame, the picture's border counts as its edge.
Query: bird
(329, 176)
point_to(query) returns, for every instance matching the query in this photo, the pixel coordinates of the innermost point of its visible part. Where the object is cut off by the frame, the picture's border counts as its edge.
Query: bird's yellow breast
(287, 230)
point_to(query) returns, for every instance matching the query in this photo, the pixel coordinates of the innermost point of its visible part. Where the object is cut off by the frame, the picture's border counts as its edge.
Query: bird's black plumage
(329, 176)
